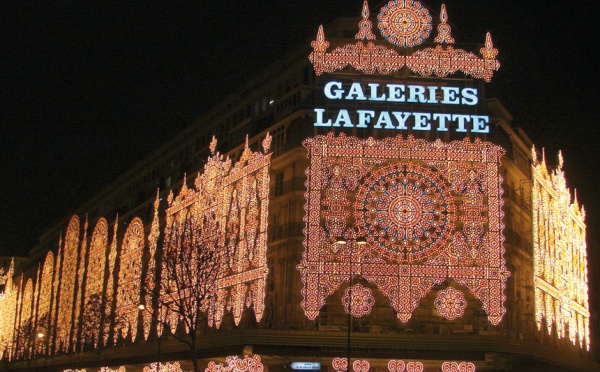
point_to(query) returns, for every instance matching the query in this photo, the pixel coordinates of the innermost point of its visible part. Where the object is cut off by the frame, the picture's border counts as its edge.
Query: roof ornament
(365, 26)
(405, 24)
(444, 28)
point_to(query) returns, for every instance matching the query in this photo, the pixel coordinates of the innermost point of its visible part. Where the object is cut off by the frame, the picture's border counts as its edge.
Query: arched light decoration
(404, 23)
(67, 286)
(428, 210)
(559, 256)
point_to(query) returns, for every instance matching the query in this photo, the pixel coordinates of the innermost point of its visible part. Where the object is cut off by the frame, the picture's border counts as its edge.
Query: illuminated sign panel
(373, 105)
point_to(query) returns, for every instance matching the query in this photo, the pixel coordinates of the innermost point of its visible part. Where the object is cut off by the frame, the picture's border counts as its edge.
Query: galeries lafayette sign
(410, 94)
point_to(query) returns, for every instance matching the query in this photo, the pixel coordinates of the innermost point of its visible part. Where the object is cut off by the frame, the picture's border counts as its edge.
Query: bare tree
(191, 264)
(24, 340)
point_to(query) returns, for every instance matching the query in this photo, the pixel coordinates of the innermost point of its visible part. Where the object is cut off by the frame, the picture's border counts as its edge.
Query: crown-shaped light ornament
(404, 24)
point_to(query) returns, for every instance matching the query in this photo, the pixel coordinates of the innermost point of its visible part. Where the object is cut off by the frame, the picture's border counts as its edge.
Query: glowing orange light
(429, 211)
(406, 24)
(560, 256)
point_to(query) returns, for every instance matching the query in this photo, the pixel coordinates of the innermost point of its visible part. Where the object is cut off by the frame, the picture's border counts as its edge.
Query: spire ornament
(365, 26)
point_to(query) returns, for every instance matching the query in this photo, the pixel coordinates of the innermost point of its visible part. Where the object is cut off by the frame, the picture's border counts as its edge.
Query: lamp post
(360, 241)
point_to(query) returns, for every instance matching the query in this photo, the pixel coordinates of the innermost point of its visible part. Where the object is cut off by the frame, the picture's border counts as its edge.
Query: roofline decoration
(405, 24)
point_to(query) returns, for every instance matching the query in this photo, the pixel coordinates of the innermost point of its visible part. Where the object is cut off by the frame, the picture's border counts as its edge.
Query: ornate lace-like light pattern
(429, 211)
(235, 364)
(358, 301)
(160, 367)
(108, 369)
(405, 23)
(67, 286)
(458, 367)
(130, 274)
(560, 256)
(450, 303)
(235, 199)
(44, 309)
(94, 288)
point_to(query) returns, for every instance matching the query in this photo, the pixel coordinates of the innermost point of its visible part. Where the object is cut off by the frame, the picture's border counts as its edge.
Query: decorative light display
(27, 302)
(43, 311)
(160, 367)
(130, 274)
(358, 301)
(231, 202)
(405, 23)
(560, 256)
(75, 335)
(109, 293)
(94, 286)
(450, 303)
(428, 210)
(67, 286)
(235, 364)
(108, 369)
(8, 305)
(444, 28)
(401, 366)
(458, 367)
(365, 27)
(150, 280)
(339, 364)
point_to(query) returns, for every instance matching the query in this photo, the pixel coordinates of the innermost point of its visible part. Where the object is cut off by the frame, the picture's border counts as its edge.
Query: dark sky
(89, 87)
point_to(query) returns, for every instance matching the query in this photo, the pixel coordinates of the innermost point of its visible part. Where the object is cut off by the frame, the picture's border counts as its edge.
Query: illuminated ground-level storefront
(380, 208)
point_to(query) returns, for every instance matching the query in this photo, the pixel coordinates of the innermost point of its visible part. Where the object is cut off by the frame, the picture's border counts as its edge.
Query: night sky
(89, 87)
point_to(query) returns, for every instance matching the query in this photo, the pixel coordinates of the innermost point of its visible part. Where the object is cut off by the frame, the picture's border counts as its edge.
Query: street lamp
(360, 241)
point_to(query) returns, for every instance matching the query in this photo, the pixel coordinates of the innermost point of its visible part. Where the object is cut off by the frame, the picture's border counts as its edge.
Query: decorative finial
(561, 160)
(213, 145)
(266, 143)
(365, 26)
(444, 28)
(320, 45)
(489, 52)
(157, 200)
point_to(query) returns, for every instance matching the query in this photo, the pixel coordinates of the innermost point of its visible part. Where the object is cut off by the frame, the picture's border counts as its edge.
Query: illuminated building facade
(370, 203)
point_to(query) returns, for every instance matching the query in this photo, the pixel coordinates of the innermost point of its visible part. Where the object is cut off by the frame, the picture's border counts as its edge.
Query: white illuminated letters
(413, 94)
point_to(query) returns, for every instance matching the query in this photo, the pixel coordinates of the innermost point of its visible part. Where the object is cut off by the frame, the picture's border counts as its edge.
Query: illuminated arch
(130, 274)
(67, 285)
(46, 292)
(94, 288)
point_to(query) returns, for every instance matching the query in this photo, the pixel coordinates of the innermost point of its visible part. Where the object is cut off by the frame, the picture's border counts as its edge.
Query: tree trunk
(194, 351)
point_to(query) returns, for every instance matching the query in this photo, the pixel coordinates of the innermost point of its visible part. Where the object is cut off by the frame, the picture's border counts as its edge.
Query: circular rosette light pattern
(358, 300)
(406, 212)
(450, 303)
(405, 23)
